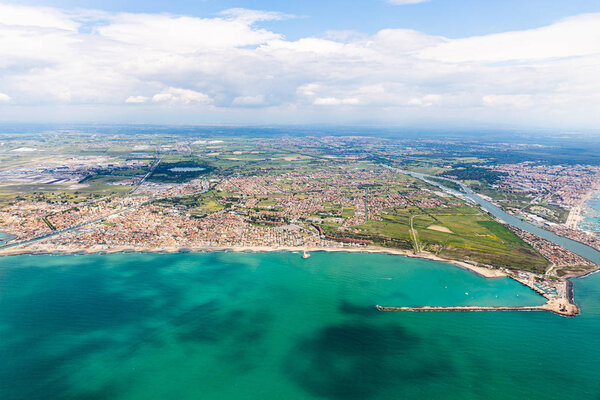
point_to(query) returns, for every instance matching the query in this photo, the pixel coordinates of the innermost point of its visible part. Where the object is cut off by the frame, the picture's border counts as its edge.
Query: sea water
(277, 326)
(591, 220)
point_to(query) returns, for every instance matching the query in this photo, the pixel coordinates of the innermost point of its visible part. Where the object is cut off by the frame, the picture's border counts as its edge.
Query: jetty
(563, 308)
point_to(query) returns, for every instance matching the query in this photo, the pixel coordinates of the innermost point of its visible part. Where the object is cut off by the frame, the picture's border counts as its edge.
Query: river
(585, 251)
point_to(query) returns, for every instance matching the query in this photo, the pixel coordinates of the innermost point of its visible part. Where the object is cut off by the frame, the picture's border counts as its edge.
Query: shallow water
(276, 326)
(591, 221)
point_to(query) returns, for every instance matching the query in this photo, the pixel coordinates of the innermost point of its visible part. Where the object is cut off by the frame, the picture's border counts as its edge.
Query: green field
(474, 236)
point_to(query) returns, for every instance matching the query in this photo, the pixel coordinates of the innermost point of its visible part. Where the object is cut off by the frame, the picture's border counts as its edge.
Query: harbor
(559, 296)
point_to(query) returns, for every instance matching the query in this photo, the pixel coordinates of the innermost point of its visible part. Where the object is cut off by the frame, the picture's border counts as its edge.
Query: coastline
(576, 214)
(564, 306)
(589, 196)
(560, 306)
(41, 249)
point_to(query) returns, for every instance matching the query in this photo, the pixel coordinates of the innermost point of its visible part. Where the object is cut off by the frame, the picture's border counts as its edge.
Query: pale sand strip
(559, 306)
(575, 217)
(44, 248)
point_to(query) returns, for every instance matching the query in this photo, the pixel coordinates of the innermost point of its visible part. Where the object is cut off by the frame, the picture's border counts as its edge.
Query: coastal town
(259, 195)
(300, 200)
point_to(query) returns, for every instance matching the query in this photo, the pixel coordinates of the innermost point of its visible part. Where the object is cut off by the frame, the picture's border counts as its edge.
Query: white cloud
(310, 89)
(252, 16)
(183, 96)
(405, 2)
(425, 101)
(249, 100)
(39, 17)
(183, 35)
(333, 101)
(137, 99)
(507, 100)
(232, 67)
(576, 36)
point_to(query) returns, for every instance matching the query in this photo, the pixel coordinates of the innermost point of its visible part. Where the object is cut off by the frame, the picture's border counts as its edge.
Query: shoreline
(576, 214)
(564, 306)
(40, 250)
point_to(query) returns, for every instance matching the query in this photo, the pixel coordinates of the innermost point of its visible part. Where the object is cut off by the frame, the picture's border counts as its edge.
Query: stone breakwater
(558, 304)
(561, 308)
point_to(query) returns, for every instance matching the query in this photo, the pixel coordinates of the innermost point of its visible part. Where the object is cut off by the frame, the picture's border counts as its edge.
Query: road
(205, 188)
(152, 168)
(414, 235)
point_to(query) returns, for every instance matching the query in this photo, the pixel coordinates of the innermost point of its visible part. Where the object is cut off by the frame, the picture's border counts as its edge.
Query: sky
(413, 63)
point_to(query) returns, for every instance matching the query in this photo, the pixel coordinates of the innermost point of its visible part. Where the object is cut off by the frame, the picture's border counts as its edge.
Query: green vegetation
(448, 184)
(440, 224)
(202, 204)
(470, 172)
(549, 212)
(474, 236)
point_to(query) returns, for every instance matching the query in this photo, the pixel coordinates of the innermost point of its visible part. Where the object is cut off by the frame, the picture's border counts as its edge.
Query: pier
(557, 307)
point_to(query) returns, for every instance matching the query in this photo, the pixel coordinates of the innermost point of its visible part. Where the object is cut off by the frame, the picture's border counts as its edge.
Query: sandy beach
(575, 217)
(41, 248)
(559, 306)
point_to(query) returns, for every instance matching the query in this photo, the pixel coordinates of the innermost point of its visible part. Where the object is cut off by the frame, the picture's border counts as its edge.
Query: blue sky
(435, 63)
(450, 18)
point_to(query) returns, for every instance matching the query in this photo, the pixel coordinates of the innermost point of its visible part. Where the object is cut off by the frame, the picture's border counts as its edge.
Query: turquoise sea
(591, 220)
(276, 326)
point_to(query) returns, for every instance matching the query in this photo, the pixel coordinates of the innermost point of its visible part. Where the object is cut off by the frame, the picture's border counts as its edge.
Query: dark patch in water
(207, 322)
(43, 376)
(104, 393)
(243, 332)
(78, 302)
(213, 322)
(358, 361)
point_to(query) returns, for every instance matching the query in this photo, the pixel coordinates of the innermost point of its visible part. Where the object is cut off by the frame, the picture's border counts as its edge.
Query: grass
(267, 203)
(205, 203)
(347, 212)
(475, 236)
(210, 205)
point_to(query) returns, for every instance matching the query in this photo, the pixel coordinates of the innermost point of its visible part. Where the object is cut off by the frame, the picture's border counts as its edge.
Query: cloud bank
(229, 69)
